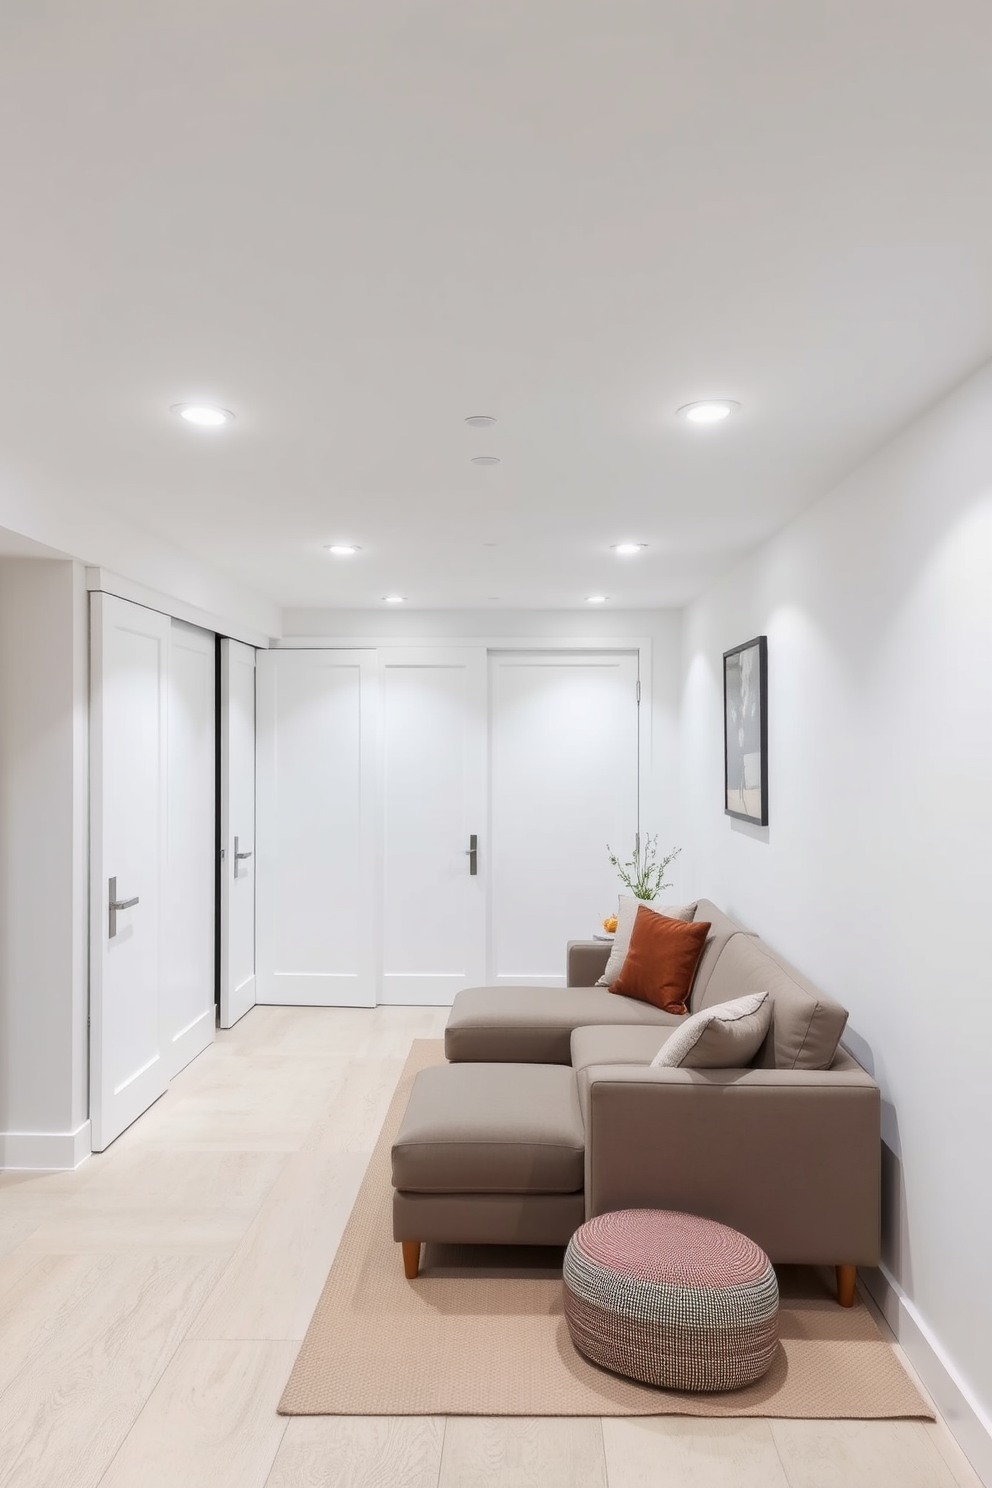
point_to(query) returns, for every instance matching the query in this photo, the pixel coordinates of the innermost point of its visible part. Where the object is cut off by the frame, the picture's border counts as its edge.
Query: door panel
(564, 783)
(237, 830)
(433, 792)
(316, 827)
(128, 744)
(188, 866)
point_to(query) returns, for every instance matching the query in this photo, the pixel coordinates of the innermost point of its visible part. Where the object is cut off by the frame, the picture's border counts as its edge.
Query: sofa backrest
(806, 1024)
(722, 927)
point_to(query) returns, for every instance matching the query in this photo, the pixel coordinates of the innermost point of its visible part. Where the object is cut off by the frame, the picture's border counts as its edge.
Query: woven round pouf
(671, 1299)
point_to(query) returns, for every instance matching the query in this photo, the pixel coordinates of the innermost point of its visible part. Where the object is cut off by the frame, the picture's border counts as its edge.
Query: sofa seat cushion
(624, 1044)
(491, 1128)
(534, 1024)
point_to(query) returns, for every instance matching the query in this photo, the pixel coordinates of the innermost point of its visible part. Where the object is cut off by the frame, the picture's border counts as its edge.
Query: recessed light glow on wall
(628, 550)
(394, 598)
(710, 411)
(597, 599)
(480, 420)
(485, 459)
(203, 416)
(343, 550)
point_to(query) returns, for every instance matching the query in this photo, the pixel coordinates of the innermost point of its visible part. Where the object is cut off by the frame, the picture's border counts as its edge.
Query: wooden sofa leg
(847, 1277)
(411, 1259)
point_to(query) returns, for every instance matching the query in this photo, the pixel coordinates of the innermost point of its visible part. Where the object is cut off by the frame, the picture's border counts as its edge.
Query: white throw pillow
(626, 915)
(726, 1036)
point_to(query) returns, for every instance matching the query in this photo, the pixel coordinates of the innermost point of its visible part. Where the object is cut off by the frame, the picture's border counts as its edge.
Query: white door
(237, 830)
(433, 729)
(316, 828)
(128, 746)
(188, 883)
(564, 783)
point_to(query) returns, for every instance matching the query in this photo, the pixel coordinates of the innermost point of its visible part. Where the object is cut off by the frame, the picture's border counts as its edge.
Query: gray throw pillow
(726, 1036)
(626, 915)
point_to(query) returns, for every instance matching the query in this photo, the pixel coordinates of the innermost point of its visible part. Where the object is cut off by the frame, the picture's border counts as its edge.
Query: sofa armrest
(585, 961)
(790, 1157)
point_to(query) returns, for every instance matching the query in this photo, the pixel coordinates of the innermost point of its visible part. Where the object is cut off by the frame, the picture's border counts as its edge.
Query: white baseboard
(966, 1419)
(44, 1151)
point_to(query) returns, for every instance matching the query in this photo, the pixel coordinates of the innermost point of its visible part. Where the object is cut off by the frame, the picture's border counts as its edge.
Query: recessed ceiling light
(480, 420)
(627, 550)
(343, 550)
(485, 459)
(203, 416)
(710, 411)
(394, 598)
(597, 599)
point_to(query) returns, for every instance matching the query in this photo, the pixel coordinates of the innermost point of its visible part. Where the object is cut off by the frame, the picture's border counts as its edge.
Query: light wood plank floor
(152, 1302)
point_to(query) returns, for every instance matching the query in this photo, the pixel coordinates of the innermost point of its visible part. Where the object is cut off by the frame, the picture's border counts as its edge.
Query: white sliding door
(237, 830)
(188, 862)
(315, 847)
(433, 732)
(129, 1042)
(564, 783)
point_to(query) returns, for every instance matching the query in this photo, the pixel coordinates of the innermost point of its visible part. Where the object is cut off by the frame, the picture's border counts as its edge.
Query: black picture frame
(745, 731)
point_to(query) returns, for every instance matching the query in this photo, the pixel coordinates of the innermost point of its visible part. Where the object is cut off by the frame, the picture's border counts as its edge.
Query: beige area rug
(482, 1332)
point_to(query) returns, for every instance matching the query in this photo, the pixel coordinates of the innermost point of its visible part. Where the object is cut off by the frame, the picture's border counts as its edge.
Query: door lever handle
(473, 855)
(239, 857)
(116, 904)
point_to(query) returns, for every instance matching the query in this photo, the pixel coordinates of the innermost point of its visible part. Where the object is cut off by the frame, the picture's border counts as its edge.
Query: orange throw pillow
(662, 961)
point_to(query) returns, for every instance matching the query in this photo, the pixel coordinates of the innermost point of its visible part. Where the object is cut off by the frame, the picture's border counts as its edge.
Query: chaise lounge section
(535, 1024)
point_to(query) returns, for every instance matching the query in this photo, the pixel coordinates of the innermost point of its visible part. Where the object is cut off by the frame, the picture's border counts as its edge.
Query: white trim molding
(641, 644)
(105, 582)
(45, 1151)
(964, 1415)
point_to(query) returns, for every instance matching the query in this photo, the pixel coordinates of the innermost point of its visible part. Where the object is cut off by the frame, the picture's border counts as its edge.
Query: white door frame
(642, 645)
(516, 658)
(114, 1108)
(639, 646)
(190, 1038)
(235, 1000)
(316, 989)
(409, 989)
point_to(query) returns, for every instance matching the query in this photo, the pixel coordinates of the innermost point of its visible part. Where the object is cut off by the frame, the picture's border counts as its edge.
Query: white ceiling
(354, 224)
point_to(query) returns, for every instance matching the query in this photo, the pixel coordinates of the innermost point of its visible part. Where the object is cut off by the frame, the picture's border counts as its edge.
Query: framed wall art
(745, 731)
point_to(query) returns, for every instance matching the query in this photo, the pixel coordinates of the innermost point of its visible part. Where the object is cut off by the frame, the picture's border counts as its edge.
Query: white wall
(663, 628)
(79, 527)
(874, 873)
(43, 842)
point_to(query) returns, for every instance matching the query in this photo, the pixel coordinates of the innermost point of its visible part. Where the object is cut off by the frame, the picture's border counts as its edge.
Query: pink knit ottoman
(671, 1299)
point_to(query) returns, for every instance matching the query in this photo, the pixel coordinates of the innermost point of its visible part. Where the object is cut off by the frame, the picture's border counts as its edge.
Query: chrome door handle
(115, 905)
(473, 855)
(239, 857)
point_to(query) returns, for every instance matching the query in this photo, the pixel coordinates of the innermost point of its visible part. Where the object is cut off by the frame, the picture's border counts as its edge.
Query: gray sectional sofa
(786, 1150)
